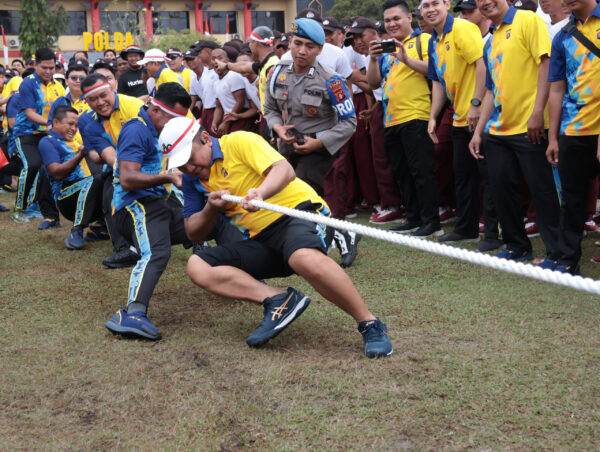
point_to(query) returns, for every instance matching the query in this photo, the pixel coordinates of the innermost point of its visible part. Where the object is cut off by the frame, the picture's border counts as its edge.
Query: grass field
(483, 360)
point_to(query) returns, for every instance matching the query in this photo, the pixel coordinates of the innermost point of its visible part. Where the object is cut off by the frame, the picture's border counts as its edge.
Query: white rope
(519, 268)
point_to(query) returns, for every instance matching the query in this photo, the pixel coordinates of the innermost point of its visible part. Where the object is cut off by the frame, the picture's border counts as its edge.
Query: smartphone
(387, 45)
(299, 137)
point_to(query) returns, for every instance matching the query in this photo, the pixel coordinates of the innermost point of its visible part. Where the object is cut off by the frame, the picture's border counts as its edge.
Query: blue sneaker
(376, 341)
(74, 240)
(514, 255)
(33, 211)
(132, 325)
(97, 233)
(49, 223)
(280, 311)
(548, 264)
(574, 270)
(19, 216)
(3, 208)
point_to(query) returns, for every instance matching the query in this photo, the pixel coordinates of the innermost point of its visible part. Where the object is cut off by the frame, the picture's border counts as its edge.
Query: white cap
(152, 55)
(175, 140)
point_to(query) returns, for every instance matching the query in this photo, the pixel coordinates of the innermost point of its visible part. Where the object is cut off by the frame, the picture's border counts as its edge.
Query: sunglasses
(75, 78)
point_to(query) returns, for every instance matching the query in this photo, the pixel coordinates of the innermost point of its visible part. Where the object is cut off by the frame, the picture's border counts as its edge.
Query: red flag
(227, 23)
(211, 26)
(206, 29)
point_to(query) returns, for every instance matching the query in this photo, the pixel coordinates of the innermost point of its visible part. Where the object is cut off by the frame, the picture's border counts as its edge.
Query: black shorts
(268, 253)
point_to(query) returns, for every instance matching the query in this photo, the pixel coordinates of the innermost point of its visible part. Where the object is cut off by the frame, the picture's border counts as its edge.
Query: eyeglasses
(75, 78)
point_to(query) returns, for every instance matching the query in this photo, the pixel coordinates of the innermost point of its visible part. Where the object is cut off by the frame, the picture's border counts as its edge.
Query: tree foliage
(40, 27)
(368, 8)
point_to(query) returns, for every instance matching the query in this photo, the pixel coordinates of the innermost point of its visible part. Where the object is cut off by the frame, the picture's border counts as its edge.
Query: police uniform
(319, 105)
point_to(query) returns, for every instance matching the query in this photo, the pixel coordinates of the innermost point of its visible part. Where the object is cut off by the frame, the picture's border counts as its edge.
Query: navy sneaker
(33, 211)
(548, 264)
(121, 258)
(133, 325)
(376, 341)
(49, 223)
(280, 311)
(3, 208)
(74, 240)
(97, 233)
(516, 256)
(574, 270)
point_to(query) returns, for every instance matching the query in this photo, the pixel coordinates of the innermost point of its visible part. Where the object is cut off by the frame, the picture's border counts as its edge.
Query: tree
(40, 27)
(368, 8)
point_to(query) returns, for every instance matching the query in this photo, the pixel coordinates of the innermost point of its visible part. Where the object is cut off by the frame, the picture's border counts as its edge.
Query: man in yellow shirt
(174, 59)
(244, 164)
(407, 102)
(457, 72)
(514, 125)
(155, 63)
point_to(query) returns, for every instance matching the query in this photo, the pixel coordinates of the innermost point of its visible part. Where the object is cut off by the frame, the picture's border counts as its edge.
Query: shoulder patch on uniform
(339, 96)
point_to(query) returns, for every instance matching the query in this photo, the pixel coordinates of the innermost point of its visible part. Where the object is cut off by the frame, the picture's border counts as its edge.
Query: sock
(136, 307)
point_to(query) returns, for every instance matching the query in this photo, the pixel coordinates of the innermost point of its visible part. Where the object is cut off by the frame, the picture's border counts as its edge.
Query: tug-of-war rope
(518, 268)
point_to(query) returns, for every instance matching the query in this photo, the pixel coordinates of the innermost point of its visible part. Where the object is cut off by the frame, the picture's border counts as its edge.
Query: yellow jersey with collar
(406, 95)
(512, 58)
(452, 57)
(240, 160)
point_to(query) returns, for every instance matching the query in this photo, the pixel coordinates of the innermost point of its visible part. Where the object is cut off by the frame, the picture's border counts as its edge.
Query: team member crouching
(76, 192)
(243, 163)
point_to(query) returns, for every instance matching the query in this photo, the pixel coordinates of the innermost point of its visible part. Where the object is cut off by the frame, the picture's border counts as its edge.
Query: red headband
(95, 89)
(164, 108)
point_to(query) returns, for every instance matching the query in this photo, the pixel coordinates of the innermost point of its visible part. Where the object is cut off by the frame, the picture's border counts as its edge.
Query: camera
(387, 45)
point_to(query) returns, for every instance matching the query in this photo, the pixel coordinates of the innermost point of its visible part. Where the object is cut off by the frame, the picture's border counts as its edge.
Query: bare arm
(277, 177)
(486, 111)
(200, 224)
(557, 92)
(34, 117)
(535, 124)
(438, 98)
(61, 170)
(131, 178)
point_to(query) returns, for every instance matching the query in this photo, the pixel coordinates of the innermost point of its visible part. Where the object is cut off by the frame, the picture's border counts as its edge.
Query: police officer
(311, 110)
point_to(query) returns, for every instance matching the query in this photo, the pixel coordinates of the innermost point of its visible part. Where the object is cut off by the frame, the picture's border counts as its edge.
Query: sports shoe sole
(473, 240)
(378, 355)
(433, 234)
(408, 231)
(399, 220)
(73, 248)
(298, 309)
(132, 333)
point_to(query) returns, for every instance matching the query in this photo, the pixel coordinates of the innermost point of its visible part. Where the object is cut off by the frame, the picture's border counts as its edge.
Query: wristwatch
(475, 102)
(227, 67)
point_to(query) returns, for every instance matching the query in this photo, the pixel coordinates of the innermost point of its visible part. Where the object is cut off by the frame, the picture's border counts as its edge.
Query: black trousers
(508, 157)
(311, 168)
(411, 154)
(577, 165)
(153, 225)
(468, 175)
(81, 201)
(119, 242)
(27, 150)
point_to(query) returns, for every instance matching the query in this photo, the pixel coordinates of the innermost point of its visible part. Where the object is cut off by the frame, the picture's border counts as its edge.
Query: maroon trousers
(384, 179)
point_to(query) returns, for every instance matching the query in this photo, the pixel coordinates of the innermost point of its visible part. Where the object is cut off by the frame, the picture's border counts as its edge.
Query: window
(11, 21)
(272, 19)
(170, 20)
(77, 23)
(217, 18)
(122, 21)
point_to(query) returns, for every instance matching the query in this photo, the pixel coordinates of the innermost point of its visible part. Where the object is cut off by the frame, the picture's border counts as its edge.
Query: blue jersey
(55, 149)
(138, 142)
(39, 96)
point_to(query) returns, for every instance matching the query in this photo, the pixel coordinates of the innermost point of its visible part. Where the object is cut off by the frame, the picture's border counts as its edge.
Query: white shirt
(207, 80)
(332, 57)
(553, 29)
(252, 92)
(357, 61)
(377, 93)
(151, 86)
(225, 87)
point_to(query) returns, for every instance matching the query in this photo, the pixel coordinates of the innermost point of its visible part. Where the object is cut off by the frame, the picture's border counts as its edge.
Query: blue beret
(310, 29)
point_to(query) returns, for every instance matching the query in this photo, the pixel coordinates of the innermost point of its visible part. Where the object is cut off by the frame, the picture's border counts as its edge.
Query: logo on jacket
(508, 33)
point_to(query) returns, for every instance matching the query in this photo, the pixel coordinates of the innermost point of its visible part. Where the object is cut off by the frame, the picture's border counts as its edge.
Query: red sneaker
(384, 216)
(446, 214)
(590, 226)
(481, 226)
(595, 259)
(531, 229)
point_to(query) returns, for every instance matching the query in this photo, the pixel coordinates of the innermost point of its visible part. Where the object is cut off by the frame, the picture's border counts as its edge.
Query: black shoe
(489, 245)
(347, 243)
(121, 259)
(453, 237)
(201, 246)
(405, 227)
(428, 230)
(97, 233)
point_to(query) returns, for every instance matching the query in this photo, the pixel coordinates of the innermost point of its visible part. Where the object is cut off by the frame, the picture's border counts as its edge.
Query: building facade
(223, 19)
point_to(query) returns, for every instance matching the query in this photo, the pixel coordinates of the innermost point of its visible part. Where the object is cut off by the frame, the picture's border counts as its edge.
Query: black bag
(572, 29)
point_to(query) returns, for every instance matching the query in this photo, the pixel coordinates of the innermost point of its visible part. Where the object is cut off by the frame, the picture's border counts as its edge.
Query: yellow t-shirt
(186, 74)
(8, 90)
(166, 75)
(512, 57)
(406, 95)
(240, 161)
(263, 74)
(452, 59)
